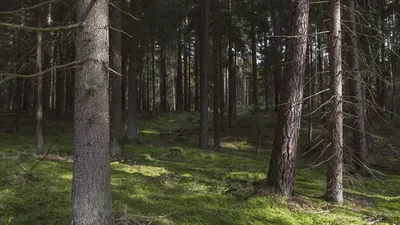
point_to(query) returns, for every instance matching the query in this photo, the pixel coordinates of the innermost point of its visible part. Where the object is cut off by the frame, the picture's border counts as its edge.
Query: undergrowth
(164, 179)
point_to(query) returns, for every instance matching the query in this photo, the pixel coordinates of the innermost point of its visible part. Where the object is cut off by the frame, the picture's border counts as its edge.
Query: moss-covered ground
(164, 179)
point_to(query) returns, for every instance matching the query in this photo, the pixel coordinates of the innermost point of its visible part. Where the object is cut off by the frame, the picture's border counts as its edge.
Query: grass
(164, 179)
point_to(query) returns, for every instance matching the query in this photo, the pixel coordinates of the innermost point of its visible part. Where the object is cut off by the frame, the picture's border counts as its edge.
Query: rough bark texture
(91, 183)
(283, 158)
(203, 142)
(359, 141)
(334, 191)
(116, 145)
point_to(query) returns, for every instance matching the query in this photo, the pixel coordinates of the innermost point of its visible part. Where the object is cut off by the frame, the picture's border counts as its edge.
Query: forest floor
(165, 179)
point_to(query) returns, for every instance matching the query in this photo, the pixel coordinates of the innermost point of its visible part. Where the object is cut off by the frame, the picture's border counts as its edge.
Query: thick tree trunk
(204, 45)
(283, 159)
(334, 191)
(116, 138)
(91, 183)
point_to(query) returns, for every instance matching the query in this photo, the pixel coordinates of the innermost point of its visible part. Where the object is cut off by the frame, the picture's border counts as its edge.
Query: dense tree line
(107, 63)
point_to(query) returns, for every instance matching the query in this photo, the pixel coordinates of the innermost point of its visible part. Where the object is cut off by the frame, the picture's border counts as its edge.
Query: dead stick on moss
(48, 149)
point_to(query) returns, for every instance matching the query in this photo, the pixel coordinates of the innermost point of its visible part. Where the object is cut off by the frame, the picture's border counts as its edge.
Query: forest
(164, 112)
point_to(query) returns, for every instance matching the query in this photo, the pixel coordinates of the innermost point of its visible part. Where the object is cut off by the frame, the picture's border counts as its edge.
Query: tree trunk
(283, 158)
(91, 183)
(153, 67)
(116, 138)
(39, 110)
(179, 90)
(266, 69)
(277, 67)
(255, 88)
(232, 87)
(60, 83)
(334, 191)
(163, 83)
(359, 142)
(196, 72)
(132, 126)
(215, 55)
(204, 45)
(185, 73)
(18, 104)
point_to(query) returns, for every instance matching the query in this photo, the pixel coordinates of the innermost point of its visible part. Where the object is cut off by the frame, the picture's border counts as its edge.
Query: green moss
(166, 180)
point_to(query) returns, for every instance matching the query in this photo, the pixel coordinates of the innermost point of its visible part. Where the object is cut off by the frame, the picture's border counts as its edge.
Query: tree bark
(255, 88)
(91, 183)
(359, 141)
(232, 87)
(277, 68)
(179, 87)
(215, 55)
(163, 83)
(116, 138)
(334, 190)
(204, 45)
(39, 110)
(132, 126)
(283, 159)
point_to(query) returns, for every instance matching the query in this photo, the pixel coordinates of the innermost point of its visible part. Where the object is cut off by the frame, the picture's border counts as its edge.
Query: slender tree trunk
(185, 73)
(266, 69)
(18, 104)
(163, 85)
(334, 191)
(283, 158)
(116, 138)
(204, 45)
(277, 67)
(196, 72)
(216, 103)
(91, 183)
(153, 67)
(39, 110)
(255, 85)
(59, 82)
(179, 87)
(359, 141)
(132, 126)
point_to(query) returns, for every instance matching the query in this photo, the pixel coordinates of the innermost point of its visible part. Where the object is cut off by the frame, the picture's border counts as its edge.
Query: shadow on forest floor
(164, 179)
